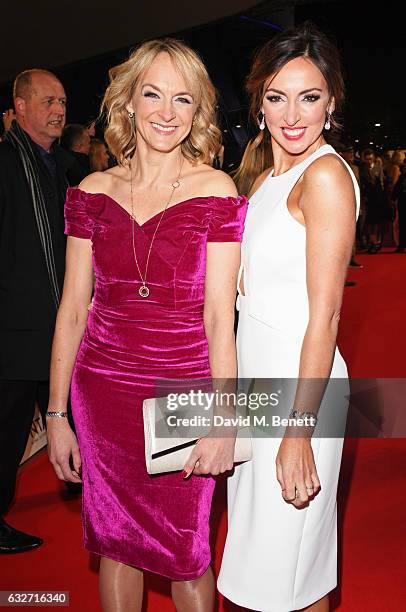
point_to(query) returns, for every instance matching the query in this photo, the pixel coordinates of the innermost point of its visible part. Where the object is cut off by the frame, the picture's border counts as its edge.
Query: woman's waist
(142, 315)
(283, 311)
(150, 326)
(130, 301)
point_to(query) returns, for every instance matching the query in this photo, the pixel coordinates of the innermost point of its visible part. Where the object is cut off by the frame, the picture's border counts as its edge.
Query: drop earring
(261, 117)
(131, 115)
(327, 125)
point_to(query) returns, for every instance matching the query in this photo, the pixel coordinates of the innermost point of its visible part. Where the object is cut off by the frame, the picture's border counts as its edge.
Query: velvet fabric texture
(158, 523)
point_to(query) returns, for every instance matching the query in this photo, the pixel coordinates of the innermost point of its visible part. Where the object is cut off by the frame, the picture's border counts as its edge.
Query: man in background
(32, 263)
(76, 140)
(99, 156)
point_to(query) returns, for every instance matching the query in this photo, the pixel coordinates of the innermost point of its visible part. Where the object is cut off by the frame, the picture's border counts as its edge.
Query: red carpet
(372, 523)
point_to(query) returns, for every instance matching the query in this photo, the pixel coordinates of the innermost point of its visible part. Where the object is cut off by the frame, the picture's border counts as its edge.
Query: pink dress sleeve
(227, 220)
(77, 221)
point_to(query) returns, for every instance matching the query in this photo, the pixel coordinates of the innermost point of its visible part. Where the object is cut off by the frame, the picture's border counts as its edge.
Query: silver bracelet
(297, 414)
(56, 414)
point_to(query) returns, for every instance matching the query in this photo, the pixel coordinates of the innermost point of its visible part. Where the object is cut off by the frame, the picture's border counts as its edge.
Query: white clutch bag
(170, 454)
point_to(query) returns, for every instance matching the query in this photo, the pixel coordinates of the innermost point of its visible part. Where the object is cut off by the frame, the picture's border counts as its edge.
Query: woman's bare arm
(328, 206)
(71, 319)
(223, 260)
(69, 329)
(215, 455)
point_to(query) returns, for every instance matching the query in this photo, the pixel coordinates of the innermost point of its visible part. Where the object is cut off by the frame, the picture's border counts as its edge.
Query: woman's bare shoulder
(327, 168)
(214, 182)
(101, 182)
(327, 175)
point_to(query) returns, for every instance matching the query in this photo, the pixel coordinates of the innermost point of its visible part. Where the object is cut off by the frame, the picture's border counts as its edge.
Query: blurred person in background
(391, 169)
(392, 172)
(347, 153)
(218, 159)
(98, 155)
(374, 198)
(379, 160)
(76, 139)
(399, 197)
(32, 263)
(8, 118)
(91, 128)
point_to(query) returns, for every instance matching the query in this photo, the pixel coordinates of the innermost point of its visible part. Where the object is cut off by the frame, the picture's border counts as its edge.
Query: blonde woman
(161, 234)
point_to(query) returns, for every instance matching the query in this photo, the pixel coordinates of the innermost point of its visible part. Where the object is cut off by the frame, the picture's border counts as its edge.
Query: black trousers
(17, 406)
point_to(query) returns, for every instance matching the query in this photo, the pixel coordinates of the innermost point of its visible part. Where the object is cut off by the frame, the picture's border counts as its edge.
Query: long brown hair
(305, 40)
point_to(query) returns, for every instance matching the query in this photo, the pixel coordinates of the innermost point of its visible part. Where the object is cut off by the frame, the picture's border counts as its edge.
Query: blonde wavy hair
(204, 139)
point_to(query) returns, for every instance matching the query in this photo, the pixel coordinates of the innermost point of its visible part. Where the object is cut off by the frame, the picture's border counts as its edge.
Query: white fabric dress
(278, 558)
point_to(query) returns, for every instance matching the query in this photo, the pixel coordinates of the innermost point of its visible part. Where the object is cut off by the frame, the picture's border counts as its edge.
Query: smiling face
(163, 105)
(42, 112)
(296, 101)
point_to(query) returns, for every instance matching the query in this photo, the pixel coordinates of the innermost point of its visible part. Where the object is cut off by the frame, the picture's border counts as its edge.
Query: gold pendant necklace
(144, 289)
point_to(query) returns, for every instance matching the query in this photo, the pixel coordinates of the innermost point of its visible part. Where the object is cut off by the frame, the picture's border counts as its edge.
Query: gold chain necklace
(144, 289)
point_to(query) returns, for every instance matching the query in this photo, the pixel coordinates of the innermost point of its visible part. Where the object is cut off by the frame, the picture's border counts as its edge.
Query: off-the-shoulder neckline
(125, 211)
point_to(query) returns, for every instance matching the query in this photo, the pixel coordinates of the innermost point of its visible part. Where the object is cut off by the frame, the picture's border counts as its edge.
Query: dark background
(370, 38)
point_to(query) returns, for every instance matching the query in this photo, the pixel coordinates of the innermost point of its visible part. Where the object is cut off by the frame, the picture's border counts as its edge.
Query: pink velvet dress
(158, 523)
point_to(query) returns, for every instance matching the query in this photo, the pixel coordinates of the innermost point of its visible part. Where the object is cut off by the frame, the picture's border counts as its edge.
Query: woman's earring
(131, 115)
(261, 117)
(327, 125)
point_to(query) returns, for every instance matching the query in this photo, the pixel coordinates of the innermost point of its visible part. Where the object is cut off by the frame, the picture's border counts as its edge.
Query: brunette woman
(280, 553)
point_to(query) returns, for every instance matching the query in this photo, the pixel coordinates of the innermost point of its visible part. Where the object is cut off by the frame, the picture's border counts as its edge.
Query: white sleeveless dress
(278, 558)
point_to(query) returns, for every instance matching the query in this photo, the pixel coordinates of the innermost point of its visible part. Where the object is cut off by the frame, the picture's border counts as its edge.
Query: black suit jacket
(27, 312)
(78, 169)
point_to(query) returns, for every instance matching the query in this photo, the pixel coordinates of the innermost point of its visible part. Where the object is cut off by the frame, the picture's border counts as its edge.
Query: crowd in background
(382, 182)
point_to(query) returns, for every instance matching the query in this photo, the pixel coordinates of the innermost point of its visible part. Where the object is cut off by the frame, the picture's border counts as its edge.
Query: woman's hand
(62, 444)
(211, 456)
(296, 471)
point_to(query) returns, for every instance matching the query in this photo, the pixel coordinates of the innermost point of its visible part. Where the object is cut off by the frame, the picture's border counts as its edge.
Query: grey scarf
(19, 140)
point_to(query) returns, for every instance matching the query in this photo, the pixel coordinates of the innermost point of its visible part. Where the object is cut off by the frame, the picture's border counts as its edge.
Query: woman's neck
(153, 168)
(284, 161)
